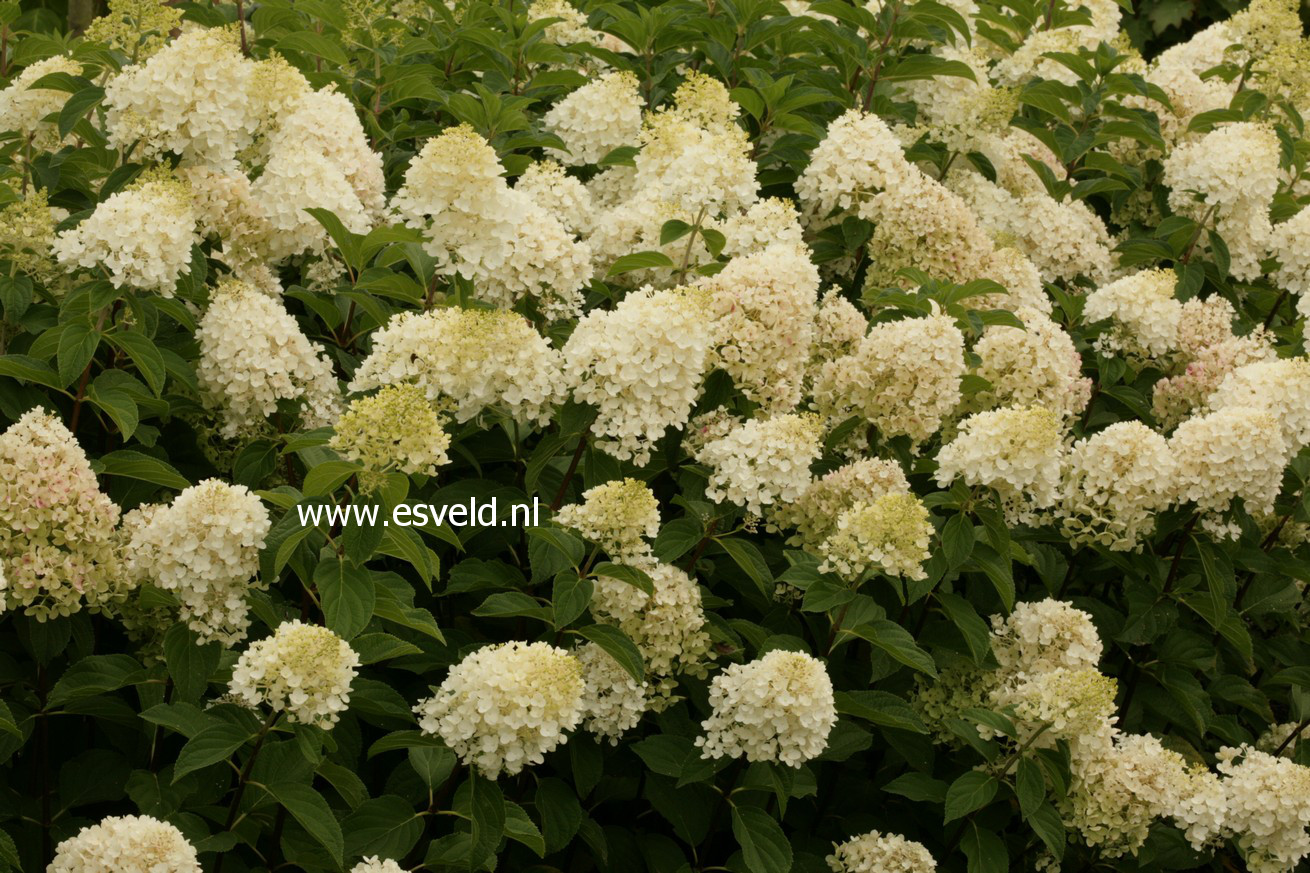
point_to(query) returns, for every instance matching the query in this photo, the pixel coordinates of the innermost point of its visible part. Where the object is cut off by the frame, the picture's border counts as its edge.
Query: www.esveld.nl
(479, 513)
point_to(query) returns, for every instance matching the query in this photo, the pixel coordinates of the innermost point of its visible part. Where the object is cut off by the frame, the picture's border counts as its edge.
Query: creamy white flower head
(253, 354)
(23, 109)
(889, 535)
(1290, 243)
(397, 428)
(1281, 386)
(1037, 364)
(641, 364)
(859, 157)
(1114, 484)
(376, 864)
(779, 707)
(764, 304)
(227, 213)
(126, 844)
(1267, 808)
(1044, 635)
(476, 226)
(815, 511)
(612, 700)
(1145, 313)
(303, 670)
(619, 516)
(597, 118)
(1119, 791)
(772, 221)
(838, 328)
(1075, 705)
(1238, 451)
(205, 548)
(764, 461)
(141, 236)
(505, 706)
(190, 98)
(904, 378)
(1284, 738)
(560, 194)
(296, 177)
(877, 852)
(478, 360)
(58, 546)
(1233, 169)
(1016, 450)
(668, 626)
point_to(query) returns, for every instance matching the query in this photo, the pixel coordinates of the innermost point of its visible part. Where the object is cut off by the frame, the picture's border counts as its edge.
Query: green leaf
(487, 806)
(620, 648)
(570, 598)
(29, 370)
(386, 826)
(213, 744)
(96, 674)
(347, 595)
(309, 42)
(673, 230)
(971, 791)
(135, 465)
(748, 557)
(1029, 786)
(985, 850)
(308, 807)
(977, 636)
(521, 829)
(433, 764)
(144, 355)
(190, 665)
(77, 106)
(1046, 823)
(77, 346)
(764, 847)
(957, 540)
(560, 811)
(118, 405)
(632, 575)
(882, 708)
(917, 786)
(328, 476)
(639, 261)
(897, 642)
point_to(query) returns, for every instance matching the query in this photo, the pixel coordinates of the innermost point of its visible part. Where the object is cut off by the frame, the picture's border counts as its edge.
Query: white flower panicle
(668, 626)
(303, 670)
(779, 707)
(1044, 635)
(58, 546)
(205, 548)
(1236, 452)
(641, 364)
(141, 236)
(23, 109)
(295, 178)
(597, 118)
(877, 852)
(126, 844)
(1075, 705)
(1114, 484)
(476, 226)
(191, 98)
(1017, 450)
(763, 461)
(1145, 313)
(814, 513)
(859, 157)
(764, 305)
(395, 429)
(904, 378)
(889, 535)
(612, 700)
(1232, 169)
(1037, 364)
(475, 360)
(562, 195)
(505, 706)
(1267, 808)
(619, 516)
(1280, 386)
(253, 354)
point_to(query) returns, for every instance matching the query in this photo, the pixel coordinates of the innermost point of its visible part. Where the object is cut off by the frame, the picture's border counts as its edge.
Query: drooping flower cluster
(619, 516)
(505, 706)
(779, 707)
(814, 513)
(1114, 484)
(126, 844)
(877, 852)
(1236, 452)
(204, 547)
(253, 354)
(475, 360)
(58, 542)
(597, 118)
(1145, 314)
(303, 670)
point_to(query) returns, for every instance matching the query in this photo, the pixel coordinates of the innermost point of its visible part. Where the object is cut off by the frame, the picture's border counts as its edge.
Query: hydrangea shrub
(911, 399)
